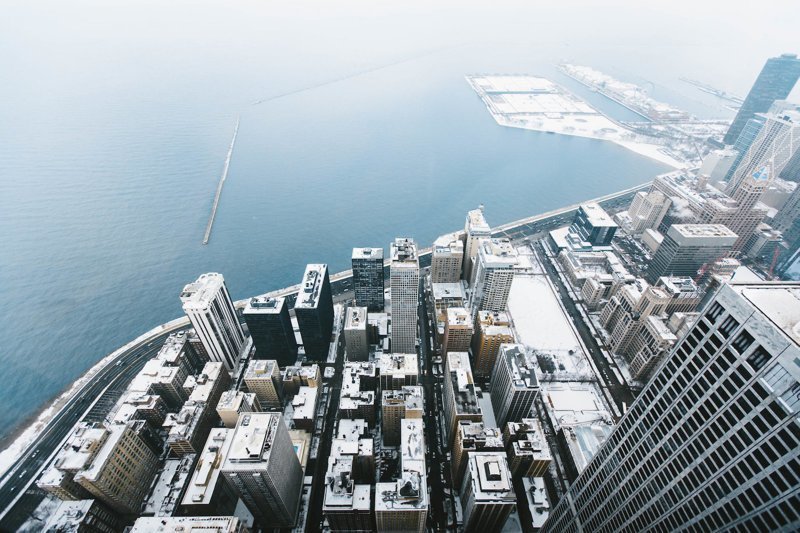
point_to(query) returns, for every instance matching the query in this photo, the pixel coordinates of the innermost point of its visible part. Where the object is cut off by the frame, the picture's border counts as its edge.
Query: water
(116, 122)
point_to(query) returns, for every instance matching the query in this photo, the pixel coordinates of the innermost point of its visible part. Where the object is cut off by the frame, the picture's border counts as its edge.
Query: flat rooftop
(491, 479)
(597, 216)
(356, 318)
(498, 252)
(779, 301)
(172, 347)
(448, 243)
(305, 403)
(207, 470)
(702, 234)
(404, 250)
(368, 253)
(252, 440)
(398, 363)
(265, 305)
(476, 222)
(261, 369)
(200, 293)
(205, 382)
(311, 286)
(458, 316)
(447, 290)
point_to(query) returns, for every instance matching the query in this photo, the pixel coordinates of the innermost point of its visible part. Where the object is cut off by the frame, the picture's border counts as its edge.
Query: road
(16, 485)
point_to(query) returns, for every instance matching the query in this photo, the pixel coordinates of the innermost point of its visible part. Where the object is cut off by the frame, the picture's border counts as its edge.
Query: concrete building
(353, 439)
(167, 491)
(404, 283)
(459, 397)
(397, 370)
(743, 212)
(487, 495)
(304, 405)
(476, 229)
(157, 377)
(684, 294)
(625, 314)
(538, 503)
(262, 468)
(652, 341)
(651, 240)
(593, 225)
(774, 82)
(718, 163)
(232, 403)
(647, 210)
(514, 384)
(208, 493)
(595, 275)
(356, 339)
(725, 403)
(472, 437)
(688, 247)
(271, 329)
(528, 451)
(347, 505)
(492, 328)
(176, 524)
(357, 398)
(457, 330)
(447, 256)
(445, 296)
(177, 351)
(210, 309)
(82, 516)
(263, 378)
(397, 405)
(368, 281)
(294, 377)
(136, 406)
(188, 428)
(494, 272)
(314, 311)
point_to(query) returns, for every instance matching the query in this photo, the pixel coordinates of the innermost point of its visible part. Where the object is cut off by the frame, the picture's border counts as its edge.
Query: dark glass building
(593, 225)
(314, 312)
(368, 278)
(775, 82)
(271, 329)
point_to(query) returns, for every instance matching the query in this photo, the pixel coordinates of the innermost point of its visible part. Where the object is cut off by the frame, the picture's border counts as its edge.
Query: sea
(357, 126)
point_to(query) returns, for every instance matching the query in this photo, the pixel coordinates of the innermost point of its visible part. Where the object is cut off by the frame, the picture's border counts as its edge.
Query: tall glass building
(713, 441)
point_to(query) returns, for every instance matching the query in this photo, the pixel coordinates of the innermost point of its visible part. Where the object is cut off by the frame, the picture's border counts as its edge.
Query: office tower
(356, 339)
(178, 352)
(459, 398)
(777, 141)
(647, 210)
(487, 495)
(712, 442)
(402, 505)
(210, 309)
(368, 278)
(494, 272)
(263, 378)
(743, 142)
(624, 315)
(476, 229)
(271, 329)
(353, 438)
(82, 516)
(304, 405)
(208, 493)
(791, 171)
(528, 452)
(447, 256)
(687, 248)
(404, 283)
(314, 311)
(357, 399)
(775, 82)
(492, 329)
(397, 370)
(593, 225)
(166, 381)
(684, 294)
(472, 437)
(718, 163)
(232, 403)
(294, 377)
(457, 330)
(217, 524)
(264, 470)
(395, 406)
(347, 505)
(514, 384)
(652, 340)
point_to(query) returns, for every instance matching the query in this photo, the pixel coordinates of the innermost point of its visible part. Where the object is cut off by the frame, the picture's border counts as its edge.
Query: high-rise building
(688, 247)
(357, 399)
(775, 82)
(263, 469)
(447, 256)
(476, 229)
(217, 524)
(626, 312)
(647, 210)
(787, 221)
(593, 225)
(493, 274)
(271, 329)
(314, 311)
(457, 330)
(347, 505)
(368, 278)
(404, 283)
(395, 406)
(487, 495)
(232, 403)
(472, 437)
(356, 338)
(208, 493)
(263, 378)
(492, 329)
(210, 309)
(749, 133)
(294, 377)
(712, 441)
(459, 398)
(528, 452)
(397, 370)
(514, 384)
(178, 352)
(83, 516)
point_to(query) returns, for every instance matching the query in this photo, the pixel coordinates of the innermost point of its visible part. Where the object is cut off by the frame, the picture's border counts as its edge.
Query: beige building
(457, 330)
(397, 405)
(528, 451)
(232, 403)
(295, 377)
(356, 338)
(447, 255)
(263, 378)
(398, 370)
(459, 400)
(472, 437)
(492, 328)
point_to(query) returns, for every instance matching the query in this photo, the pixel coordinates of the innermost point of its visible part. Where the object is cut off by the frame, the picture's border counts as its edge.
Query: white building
(447, 256)
(493, 274)
(404, 283)
(476, 229)
(398, 370)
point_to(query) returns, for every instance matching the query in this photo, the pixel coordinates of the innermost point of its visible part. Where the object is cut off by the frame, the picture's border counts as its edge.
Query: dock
(221, 183)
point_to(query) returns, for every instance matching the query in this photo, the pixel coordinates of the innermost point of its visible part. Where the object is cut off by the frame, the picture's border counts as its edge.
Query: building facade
(314, 311)
(368, 278)
(404, 283)
(271, 329)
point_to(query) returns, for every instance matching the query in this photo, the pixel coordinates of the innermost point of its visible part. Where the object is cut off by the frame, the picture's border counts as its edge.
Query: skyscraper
(314, 312)
(355, 334)
(404, 282)
(593, 225)
(487, 495)
(775, 82)
(210, 309)
(492, 328)
(271, 329)
(712, 442)
(688, 247)
(493, 274)
(457, 330)
(368, 278)
(447, 256)
(459, 397)
(262, 468)
(475, 229)
(514, 384)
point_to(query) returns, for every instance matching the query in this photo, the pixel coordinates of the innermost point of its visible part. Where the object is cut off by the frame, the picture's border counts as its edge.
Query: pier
(222, 179)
